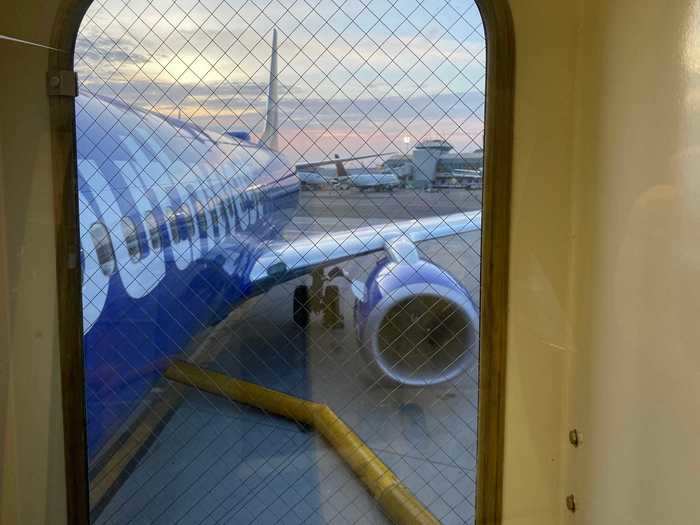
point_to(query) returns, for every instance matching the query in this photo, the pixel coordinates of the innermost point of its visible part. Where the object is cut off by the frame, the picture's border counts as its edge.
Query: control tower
(426, 156)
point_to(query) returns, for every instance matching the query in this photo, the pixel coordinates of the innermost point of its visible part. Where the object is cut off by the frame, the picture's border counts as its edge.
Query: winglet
(270, 134)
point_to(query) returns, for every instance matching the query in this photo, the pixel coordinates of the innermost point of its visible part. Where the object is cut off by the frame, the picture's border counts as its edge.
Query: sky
(357, 77)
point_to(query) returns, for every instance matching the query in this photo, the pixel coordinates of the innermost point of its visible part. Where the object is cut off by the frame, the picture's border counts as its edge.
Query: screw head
(55, 81)
(574, 437)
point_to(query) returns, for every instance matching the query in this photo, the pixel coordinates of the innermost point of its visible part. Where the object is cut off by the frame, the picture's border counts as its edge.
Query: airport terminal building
(431, 158)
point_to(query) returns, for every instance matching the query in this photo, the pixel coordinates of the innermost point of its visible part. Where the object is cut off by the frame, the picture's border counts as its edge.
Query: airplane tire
(332, 318)
(300, 312)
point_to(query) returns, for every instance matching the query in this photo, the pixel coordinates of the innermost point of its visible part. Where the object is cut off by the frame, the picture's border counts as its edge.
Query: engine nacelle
(417, 323)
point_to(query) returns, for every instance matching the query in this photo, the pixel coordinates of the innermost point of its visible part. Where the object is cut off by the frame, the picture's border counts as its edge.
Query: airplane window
(222, 211)
(103, 248)
(131, 239)
(258, 202)
(231, 204)
(214, 218)
(201, 218)
(231, 209)
(172, 221)
(153, 232)
(186, 216)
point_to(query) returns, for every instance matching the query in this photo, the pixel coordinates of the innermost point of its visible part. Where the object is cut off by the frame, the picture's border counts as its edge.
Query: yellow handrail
(400, 505)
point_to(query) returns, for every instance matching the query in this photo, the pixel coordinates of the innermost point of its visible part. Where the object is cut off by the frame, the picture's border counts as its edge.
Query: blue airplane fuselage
(172, 218)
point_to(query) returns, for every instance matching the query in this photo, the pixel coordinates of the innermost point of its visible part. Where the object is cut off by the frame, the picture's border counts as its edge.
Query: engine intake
(417, 324)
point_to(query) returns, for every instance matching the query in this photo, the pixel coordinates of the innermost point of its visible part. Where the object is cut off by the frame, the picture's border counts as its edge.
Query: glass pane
(318, 169)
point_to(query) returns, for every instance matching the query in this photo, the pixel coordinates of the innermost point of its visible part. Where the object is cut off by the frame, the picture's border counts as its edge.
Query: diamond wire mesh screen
(300, 212)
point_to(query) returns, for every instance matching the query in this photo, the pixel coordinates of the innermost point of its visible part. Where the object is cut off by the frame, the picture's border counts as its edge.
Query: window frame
(99, 245)
(200, 214)
(214, 219)
(498, 148)
(185, 214)
(130, 237)
(174, 233)
(152, 225)
(223, 212)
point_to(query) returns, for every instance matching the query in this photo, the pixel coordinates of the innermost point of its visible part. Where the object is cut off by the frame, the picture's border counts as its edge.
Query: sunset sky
(357, 77)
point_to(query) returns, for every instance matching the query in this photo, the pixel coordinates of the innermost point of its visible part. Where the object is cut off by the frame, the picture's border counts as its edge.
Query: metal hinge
(62, 84)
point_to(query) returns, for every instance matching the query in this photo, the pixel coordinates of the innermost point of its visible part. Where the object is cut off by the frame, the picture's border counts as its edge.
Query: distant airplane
(179, 225)
(363, 180)
(377, 181)
(315, 179)
(459, 178)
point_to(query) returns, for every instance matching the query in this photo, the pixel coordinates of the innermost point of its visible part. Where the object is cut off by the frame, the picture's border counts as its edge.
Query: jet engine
(415, 321)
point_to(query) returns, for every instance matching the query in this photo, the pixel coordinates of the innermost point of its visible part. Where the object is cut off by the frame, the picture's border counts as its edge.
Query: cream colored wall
(540, 303)
(637, 271)
(611, 139)
(30, 401)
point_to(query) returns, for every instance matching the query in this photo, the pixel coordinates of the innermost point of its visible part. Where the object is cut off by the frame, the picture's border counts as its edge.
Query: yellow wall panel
(33, 484)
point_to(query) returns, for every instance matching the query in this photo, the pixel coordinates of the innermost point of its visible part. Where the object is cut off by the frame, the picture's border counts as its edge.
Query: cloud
(102, 49)
(347, 80)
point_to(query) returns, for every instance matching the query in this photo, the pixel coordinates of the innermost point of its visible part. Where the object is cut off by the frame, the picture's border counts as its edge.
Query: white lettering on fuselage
(148, 194)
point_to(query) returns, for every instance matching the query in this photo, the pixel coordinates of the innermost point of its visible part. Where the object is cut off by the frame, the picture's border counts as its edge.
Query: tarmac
(216, 461)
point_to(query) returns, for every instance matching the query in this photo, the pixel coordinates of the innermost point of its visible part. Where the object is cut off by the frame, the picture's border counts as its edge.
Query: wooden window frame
(498, 148)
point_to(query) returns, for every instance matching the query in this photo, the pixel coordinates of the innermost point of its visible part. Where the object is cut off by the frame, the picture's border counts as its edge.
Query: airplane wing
(285, 260)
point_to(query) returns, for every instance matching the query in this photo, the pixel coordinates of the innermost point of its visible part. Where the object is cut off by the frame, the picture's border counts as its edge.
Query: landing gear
(301, 306)
(319, 298)
(332, 318)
